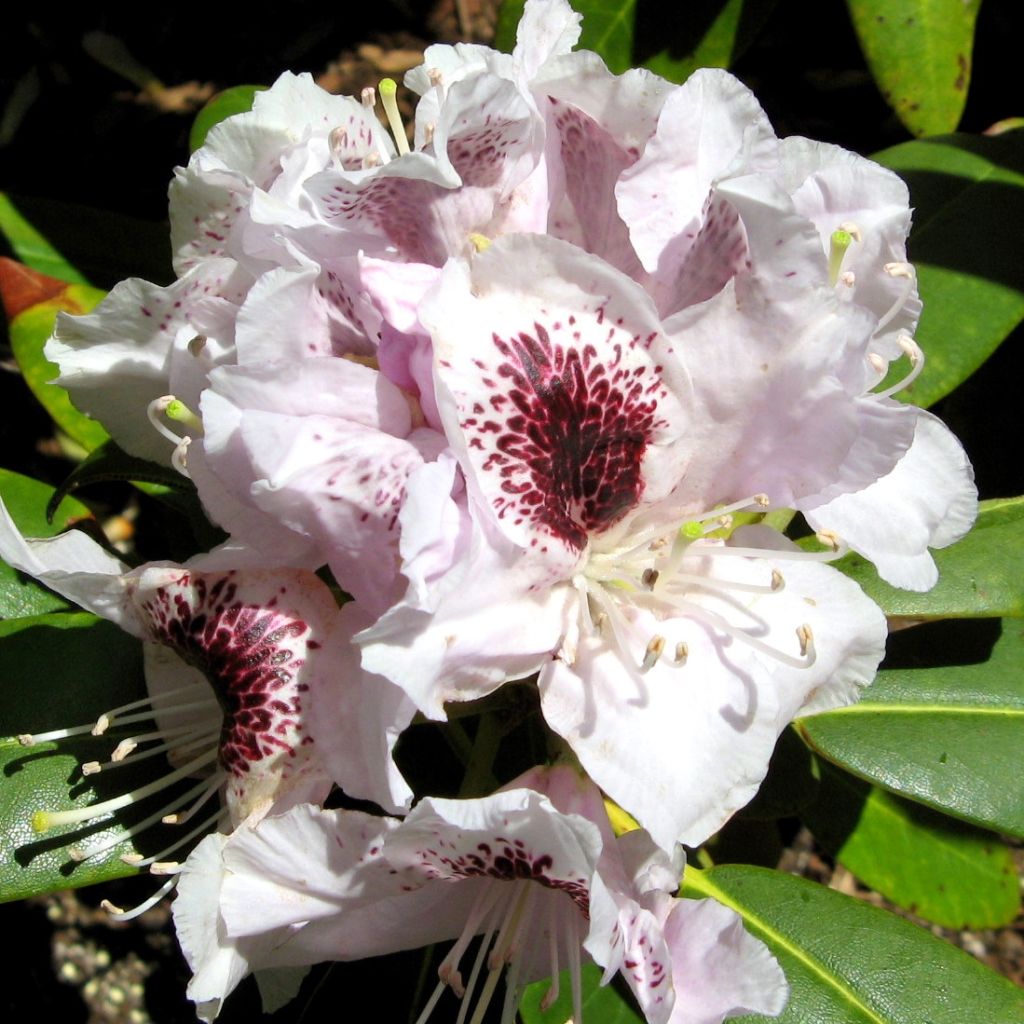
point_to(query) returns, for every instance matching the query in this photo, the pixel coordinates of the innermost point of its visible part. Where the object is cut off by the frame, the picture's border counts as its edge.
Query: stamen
(155, 410)
(170, 867)
(547, 1001)
(196, 345)
(369, 97)
(179, 456)
(915, 354)
(105, 719)
(478, 963)
(120, 756)
(212, 786)
(848, 278)
(682, 652)
(127, 915)
(807, 653)
(79, 853)
(447, 971)
(829, 538)
(654, 650)
(906, 271)
(428, 133)
(878, 363)
(388, 93)
(806, 637)
(649, 578)
(43, 821)
(501, 949)
(572, 942)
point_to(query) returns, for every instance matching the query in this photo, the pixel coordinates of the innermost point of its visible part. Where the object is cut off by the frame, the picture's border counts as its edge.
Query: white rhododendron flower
(535, 869)
(253, 687)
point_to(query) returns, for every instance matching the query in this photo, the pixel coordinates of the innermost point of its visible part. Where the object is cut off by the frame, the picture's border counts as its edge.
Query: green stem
(479, 778)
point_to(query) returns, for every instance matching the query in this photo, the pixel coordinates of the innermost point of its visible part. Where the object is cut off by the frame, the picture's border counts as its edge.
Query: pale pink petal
(927, 500)
(710, 128)
(115, 360)
(718, 969)
(356, 719)
(556, 391)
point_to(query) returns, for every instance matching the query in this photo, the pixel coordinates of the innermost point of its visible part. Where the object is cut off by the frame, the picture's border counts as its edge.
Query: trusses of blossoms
(535, 869)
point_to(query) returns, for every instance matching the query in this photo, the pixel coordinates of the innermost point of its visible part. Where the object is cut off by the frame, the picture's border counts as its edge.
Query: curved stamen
(906, 271)
(915, 354)
(117, 914)
(179, 456)
(206, 824)
(551, 995)
(94, 767)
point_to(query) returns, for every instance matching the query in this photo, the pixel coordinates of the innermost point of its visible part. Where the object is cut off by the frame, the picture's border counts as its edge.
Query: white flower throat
(670, 575)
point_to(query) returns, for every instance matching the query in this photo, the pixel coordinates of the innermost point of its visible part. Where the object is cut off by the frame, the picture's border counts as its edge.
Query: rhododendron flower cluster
(528, 390)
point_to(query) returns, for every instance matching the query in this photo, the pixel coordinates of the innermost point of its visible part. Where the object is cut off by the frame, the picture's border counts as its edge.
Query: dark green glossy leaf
(111, 463)
(942, 870)
(981, 575)
(25, 498)
(236, 100)
(603, 1005)
(946, 736)
(717, 32)
(32, 247)
(850, 963)
(919, 52)
(58, 671)
(968, 248)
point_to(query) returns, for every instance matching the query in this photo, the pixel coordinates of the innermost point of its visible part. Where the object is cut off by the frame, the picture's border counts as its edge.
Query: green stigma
(692, 531)
(41, 821)
(838, 244)
(388, 91)
(178, 411)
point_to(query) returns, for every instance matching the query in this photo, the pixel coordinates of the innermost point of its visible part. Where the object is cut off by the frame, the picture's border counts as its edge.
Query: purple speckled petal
(257, 638)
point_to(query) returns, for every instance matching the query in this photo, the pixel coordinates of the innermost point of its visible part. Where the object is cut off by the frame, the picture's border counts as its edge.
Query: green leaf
(58, 671)
(942, 870)
(947, 736)
(627, 34)
(713, 34)
(111, 463)
(236, 100)
(31, 247)
(29, 331)
(968, 248)
(850, 963)
(919, 52)
(979, 576)
(605, 1005)
(25, 498)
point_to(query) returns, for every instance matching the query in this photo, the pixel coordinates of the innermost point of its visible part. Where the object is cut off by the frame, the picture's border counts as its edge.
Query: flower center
(671, 577)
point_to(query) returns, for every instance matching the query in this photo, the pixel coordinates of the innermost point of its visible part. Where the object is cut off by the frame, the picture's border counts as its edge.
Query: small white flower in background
(535, 869)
